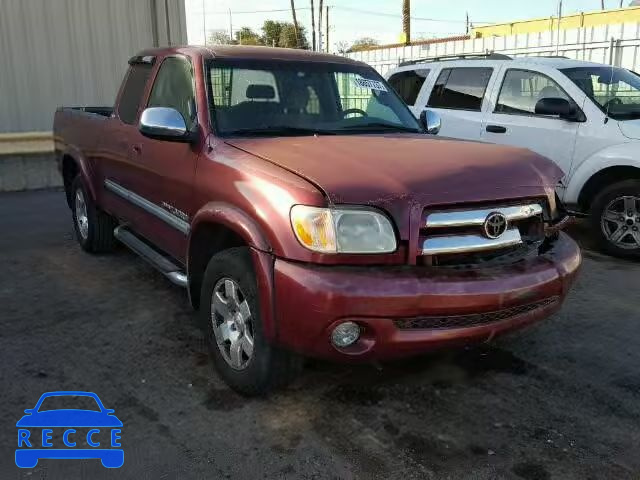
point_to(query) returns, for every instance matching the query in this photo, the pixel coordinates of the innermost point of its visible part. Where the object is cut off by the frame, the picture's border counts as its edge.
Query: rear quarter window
(460, 88)
(133, 91)
(407, 84)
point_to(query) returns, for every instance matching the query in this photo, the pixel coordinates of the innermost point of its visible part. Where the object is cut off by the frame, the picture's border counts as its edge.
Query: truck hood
(630, 128)
(377, 169)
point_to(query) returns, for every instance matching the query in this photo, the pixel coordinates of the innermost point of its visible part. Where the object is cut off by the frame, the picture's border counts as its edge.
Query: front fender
(239, 222)
(622, 155)
(234, 219)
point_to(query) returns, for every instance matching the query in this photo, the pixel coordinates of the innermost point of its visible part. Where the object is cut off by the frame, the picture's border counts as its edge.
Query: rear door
(459, 97)
(512, 120)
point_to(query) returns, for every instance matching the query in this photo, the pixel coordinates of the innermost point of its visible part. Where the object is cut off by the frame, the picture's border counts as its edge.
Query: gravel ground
(558, 401)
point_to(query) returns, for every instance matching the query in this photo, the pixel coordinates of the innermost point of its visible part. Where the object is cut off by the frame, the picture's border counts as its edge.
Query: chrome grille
(472, 320)
(462, 232)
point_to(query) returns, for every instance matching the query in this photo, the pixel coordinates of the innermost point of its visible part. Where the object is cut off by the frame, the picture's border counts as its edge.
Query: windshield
(615, 90)
(302, 98)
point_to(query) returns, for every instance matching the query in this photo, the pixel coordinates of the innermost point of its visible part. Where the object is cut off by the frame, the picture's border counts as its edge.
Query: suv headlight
(343, 230)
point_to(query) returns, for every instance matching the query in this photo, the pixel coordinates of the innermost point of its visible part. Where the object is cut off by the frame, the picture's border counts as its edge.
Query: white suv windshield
(615, 90)
(302, 98)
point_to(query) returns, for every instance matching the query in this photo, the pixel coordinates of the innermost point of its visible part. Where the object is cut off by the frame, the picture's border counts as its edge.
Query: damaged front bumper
(406, 310)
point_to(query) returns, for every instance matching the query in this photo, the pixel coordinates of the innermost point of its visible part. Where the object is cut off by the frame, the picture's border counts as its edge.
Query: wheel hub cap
(82, 220)
(232, 323)
(621, 222)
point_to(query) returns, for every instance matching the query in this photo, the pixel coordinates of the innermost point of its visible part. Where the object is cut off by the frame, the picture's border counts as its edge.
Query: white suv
(583, 116)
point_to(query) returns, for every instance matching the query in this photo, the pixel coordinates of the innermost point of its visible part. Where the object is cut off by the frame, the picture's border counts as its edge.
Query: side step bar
(169, 269)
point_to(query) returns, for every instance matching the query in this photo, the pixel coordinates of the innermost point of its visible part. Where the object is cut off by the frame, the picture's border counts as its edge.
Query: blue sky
(347, 24)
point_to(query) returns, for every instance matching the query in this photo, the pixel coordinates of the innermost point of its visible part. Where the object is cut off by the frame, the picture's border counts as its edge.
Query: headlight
(343, 230)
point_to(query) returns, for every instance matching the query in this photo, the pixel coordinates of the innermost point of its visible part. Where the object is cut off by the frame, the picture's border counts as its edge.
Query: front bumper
(392, 304)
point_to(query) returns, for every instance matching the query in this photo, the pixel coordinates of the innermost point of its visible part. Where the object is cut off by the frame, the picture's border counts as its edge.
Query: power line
(348, 9)
(393, 15)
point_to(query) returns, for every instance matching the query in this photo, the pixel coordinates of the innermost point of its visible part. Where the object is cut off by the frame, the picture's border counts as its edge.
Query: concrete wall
(74, 52)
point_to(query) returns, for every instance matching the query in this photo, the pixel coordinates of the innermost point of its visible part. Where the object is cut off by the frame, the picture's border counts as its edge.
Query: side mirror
(431, 122)
(164, 123)
(560, 107)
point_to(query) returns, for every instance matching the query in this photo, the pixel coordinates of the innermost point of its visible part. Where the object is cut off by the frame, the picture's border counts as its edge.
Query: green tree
(271, 31)
(246, 36)
(363, 43)
(288, 37)
(283, 34)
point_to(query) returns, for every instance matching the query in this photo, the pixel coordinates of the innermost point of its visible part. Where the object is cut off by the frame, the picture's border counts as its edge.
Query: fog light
(345, 334)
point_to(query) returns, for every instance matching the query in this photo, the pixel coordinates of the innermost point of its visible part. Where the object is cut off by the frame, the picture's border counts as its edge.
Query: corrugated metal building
(74, 52)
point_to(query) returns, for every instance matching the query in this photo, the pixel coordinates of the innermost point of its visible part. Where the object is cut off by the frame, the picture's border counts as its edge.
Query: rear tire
(230, 310)
(93, 227)
(615, 219)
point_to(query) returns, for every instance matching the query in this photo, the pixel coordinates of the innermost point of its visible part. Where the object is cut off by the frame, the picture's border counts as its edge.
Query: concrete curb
(27, 162)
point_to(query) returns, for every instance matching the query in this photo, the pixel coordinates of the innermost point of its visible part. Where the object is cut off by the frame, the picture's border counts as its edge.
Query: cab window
(522, 89)
(132, 92)
(174, 88)
(460, 88)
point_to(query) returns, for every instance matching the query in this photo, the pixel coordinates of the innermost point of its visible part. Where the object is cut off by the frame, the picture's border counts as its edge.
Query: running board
(157, 260)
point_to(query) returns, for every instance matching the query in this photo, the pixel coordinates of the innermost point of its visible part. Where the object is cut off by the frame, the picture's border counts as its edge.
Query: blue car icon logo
(53, 430)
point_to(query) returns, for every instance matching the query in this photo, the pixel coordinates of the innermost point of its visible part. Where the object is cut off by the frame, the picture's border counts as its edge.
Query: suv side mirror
(164, 123)
(431, 122)
(560, 107)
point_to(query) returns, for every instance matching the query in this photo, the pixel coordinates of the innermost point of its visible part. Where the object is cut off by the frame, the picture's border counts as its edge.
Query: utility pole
(295, 23)
(313, 28)
(204, 23)
(320, 27)
(326, 19)
(230, 27)
(602, 4)
(467, 24)
(559, 20)
(406, 20)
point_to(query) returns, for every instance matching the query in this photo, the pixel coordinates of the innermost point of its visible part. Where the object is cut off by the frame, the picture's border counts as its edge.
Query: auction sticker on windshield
(368, 83)
(69, 425)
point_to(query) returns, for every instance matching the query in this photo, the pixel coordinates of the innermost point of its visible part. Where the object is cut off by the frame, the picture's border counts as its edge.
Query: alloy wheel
(232, 323)
(82, 219)
(620, 222)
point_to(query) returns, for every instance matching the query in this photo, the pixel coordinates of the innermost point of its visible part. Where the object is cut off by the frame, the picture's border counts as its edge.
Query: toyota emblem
(495, 225)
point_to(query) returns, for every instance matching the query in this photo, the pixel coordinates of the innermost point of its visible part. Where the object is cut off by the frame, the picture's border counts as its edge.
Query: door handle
(496, 129)
(137, 149)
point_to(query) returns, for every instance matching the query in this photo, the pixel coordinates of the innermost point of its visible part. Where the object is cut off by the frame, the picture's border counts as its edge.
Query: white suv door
(511, 118)
(458, 97)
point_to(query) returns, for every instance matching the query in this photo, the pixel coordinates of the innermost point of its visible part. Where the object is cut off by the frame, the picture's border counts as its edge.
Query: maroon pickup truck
(307, 212)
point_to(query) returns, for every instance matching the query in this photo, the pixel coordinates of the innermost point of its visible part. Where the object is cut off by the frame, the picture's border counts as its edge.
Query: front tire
(230, 309)
(615, 219)
(93, 227)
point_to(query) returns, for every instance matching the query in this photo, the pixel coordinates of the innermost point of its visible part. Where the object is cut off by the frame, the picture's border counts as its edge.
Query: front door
(513, 120)
(165, 170)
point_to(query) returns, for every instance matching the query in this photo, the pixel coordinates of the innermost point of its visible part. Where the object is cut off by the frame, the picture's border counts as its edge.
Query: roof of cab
(252, 53)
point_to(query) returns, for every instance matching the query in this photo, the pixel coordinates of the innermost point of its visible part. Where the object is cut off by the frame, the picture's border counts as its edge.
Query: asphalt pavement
(557, 401)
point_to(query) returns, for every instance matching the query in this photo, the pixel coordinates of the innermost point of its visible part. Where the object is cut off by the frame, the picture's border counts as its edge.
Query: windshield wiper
(278, 130)
(380, 126)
